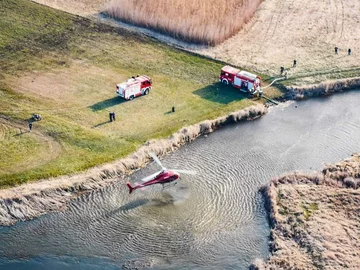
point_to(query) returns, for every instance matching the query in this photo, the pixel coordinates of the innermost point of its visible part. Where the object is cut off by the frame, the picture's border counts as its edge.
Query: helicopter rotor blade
(156, 159)
(150, 177)
(185, 172)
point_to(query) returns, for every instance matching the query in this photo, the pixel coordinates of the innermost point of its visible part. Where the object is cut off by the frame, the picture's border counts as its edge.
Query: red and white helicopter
(163, 177)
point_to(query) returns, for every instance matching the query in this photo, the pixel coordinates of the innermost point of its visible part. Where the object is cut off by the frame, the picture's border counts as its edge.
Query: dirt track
(281, 31)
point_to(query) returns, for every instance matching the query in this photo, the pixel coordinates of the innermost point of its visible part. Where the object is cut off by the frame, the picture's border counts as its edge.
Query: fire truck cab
(134, 87)
(245, 81)
(227, 75)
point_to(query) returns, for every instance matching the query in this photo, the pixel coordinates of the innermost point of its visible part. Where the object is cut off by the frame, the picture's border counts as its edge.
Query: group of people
(35, 117)
(282, 69)
(337, 50)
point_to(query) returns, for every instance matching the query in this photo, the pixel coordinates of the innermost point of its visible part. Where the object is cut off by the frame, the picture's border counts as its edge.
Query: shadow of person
(21, 133)
(101, 124)
(104, 104)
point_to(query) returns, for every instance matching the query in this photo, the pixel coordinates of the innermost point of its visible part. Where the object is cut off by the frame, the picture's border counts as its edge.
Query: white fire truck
(134, 87)
(245, 81)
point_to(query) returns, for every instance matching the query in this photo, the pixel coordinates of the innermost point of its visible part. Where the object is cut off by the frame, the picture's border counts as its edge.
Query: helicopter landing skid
(169, 185)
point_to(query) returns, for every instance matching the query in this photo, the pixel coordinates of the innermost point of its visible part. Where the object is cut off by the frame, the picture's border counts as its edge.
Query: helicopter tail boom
(130, 188)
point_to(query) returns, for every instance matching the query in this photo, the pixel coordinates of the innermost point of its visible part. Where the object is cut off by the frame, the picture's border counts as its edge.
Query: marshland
(65, 67)
(204, 22)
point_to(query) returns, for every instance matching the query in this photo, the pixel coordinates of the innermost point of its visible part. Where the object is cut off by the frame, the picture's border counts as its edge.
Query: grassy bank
(65, 68)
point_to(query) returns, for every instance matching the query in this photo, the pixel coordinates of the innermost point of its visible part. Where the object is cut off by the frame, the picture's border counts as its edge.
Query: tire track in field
(329, 23)
(342, 18)
(52, 147)
(335, 15)
(273, 25)
(338, 17)
(266, 32)
(278, 19)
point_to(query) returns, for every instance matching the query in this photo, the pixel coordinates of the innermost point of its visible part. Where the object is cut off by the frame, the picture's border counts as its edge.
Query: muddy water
(214, 220)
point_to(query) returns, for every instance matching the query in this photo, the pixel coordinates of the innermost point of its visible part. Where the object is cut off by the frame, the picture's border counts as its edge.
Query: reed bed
(204, 22)
(304, 210)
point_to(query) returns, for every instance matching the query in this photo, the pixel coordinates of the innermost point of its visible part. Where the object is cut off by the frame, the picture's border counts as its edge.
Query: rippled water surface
(213, 220)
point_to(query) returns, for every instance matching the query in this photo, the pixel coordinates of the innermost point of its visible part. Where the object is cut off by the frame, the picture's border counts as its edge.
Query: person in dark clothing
(173, 109)
(336, 50)
(294, 65)
(30, 126)
(282, 70)
(349, 51)
(113, 116)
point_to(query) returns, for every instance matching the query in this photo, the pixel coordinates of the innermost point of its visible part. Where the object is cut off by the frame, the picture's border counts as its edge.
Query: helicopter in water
(163, 177)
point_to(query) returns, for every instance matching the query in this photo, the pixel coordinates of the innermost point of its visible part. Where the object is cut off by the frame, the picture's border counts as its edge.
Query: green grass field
(66, 67)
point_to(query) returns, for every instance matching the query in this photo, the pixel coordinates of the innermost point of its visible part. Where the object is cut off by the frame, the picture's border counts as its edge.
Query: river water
(213, 220)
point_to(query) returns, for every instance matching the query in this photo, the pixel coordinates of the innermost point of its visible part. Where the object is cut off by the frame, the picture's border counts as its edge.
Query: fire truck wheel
(225, 82)
(131, 97)
(146, 92)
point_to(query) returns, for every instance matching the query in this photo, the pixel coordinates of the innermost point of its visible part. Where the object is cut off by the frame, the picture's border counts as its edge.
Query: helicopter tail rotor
(130, 188)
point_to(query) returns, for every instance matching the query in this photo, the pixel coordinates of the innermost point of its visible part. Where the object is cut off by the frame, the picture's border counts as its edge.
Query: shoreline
(31, 200)
(305, 233)
(321, 89)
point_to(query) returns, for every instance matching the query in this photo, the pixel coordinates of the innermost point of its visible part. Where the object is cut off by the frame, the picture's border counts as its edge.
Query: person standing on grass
(30, 126)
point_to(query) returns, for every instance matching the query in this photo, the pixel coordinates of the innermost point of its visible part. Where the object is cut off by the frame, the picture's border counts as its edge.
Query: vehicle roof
(248, 75)
(230, 69)
(137, 79)
(142, 78)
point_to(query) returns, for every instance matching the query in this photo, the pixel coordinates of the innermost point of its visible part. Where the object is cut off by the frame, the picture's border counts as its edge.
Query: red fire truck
(245, 81)
(134, 87)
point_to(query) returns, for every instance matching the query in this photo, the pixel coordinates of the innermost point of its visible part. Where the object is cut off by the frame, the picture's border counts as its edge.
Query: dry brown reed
(207, 22)
(295, 239)
(322, 89)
